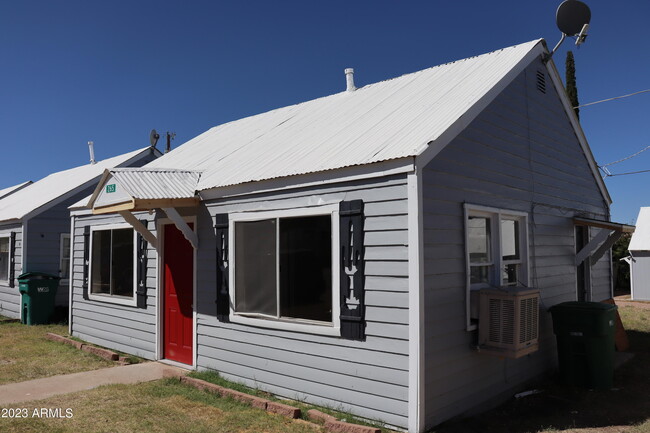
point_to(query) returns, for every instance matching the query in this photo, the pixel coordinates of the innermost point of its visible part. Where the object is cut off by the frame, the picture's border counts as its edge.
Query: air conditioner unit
(508, 321)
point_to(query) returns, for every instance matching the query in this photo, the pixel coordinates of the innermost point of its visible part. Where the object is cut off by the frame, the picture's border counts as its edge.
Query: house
(330, 251)
(639, 258)
(35, 225)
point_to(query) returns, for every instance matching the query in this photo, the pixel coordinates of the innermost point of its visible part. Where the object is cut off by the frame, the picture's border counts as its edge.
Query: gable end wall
(522, 154)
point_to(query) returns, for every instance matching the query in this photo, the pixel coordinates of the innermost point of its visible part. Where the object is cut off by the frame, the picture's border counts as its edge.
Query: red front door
(178, 284)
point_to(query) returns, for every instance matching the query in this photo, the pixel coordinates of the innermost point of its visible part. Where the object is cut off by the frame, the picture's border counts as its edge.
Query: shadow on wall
(560, 407)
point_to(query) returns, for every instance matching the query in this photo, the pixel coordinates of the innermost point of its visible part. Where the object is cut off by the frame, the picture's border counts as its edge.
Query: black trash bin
(38, 291)
(585, 343)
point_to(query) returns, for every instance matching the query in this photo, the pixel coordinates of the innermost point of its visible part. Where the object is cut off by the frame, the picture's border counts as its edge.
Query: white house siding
(369, 378)
(520, 154)
(640, 275)
(9, 296)
(125, 328)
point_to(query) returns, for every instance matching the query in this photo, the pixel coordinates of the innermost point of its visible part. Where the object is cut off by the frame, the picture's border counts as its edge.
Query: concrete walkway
(39, 389)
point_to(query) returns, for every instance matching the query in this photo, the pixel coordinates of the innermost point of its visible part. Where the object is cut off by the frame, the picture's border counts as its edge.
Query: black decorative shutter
(86, 261)
(12, 259)
(352, 270)
(141, 278)
(223, 296)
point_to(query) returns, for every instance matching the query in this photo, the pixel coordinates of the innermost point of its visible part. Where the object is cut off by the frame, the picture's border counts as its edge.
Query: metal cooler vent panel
(509, 321)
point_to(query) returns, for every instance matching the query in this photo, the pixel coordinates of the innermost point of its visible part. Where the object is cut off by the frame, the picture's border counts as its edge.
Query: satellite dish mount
(153, 138)
(572, 18)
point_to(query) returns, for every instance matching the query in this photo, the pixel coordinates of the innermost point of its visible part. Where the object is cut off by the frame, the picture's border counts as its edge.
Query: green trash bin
(585, 343)
(38, 291)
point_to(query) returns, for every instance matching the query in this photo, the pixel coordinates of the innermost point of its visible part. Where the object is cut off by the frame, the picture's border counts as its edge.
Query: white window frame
(290, 324)
(497, 264)
(113, 299)
(62, 236)
(8, 238)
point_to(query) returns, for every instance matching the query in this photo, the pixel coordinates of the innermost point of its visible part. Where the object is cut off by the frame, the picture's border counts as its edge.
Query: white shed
(640, 257)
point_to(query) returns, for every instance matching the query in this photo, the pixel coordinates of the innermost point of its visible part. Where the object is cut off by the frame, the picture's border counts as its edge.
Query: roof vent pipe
(91, 149)
(349, 79)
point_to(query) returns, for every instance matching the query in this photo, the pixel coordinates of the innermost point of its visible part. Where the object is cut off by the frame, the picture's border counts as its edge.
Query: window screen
(112, 262)
(283, 268)
(4, 259)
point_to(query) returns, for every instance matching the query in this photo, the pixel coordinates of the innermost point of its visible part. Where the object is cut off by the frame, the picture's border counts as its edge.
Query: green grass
(214, 377)
(26, 354)
(160, 406)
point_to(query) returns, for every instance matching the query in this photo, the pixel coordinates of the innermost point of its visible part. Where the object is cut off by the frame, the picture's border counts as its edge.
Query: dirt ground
(559, 408)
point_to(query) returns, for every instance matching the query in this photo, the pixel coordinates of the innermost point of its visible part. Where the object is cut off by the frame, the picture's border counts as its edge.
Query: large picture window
(4, 259)
(284, 268)
(112, 264)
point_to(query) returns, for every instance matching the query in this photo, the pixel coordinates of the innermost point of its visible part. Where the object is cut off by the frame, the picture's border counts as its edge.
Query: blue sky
(74, 71)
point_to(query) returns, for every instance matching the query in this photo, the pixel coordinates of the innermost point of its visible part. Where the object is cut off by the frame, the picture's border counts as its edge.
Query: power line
(611, 99)
(625, 174)
(627, 157)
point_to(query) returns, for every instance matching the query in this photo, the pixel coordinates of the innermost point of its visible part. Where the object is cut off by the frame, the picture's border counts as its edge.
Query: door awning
(609, 233)
(128, 190)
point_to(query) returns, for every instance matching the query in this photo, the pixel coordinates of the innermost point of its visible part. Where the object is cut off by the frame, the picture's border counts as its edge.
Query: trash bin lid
(27, 276)
(581, 306)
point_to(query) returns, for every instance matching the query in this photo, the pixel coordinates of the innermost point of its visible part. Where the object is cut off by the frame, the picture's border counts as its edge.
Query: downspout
(70, 276)
(416, 419)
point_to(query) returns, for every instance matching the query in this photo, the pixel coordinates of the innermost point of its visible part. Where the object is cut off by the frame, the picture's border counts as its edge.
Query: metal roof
(388, 120)
(22, 203)
(156, 183)
(641, 238)
(7, 191)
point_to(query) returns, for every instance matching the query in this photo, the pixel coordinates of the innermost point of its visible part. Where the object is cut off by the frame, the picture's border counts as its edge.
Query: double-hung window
(64, 257)
(112, 264)
(4, 259)
(285, 269)
(496, 247)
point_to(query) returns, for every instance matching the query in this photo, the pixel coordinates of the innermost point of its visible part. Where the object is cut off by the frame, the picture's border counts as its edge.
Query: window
(112, 264)
(4, 259)
(497, 249)
(64, 257)
(285, 267)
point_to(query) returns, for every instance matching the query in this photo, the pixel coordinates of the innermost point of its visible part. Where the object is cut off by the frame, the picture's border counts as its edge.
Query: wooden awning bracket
(139, 227)
(181, 225)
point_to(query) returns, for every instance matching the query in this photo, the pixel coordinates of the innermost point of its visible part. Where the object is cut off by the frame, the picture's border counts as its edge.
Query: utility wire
(611, 99)
(626, 158)
(624, 174)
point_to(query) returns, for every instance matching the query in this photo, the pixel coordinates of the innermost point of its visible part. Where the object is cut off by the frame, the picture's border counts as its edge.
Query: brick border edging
(330, 423)
(104, 353)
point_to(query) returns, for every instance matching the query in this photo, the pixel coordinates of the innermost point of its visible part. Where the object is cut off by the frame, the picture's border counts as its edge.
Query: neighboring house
(12, 189)
(329, 251)
(35, 225)
(639, 258)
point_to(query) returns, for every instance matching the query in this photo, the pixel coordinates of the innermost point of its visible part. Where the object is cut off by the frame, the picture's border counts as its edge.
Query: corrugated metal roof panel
(387, 120)
(157, 183)
(42, 192)
(641, 237)
(6, 191)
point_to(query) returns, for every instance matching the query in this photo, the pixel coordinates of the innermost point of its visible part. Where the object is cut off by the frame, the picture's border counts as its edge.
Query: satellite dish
(153, 138)
(571, 17)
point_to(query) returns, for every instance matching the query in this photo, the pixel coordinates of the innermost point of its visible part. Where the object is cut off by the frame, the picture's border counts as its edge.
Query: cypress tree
(571, 88)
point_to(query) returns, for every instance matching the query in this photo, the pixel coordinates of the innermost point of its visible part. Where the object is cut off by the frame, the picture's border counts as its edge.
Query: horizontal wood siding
(9, 296)
(124, 328)
(369, 378)
(520, 154)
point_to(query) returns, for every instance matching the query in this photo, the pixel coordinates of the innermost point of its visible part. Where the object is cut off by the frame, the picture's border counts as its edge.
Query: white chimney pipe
(91, 148)
(349, 80)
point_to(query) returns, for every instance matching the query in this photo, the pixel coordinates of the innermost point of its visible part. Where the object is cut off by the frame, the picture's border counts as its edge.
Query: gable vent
(541, 81)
